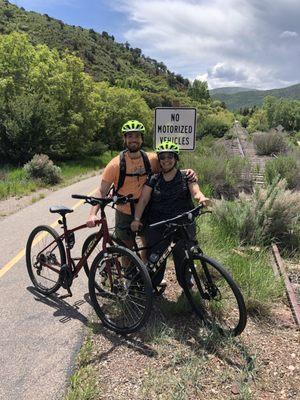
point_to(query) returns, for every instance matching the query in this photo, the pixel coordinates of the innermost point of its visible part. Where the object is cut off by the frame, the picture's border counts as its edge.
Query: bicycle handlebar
(103, 201)
(191, 215)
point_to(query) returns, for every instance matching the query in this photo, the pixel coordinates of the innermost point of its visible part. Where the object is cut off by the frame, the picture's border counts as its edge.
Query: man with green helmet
(128, 173)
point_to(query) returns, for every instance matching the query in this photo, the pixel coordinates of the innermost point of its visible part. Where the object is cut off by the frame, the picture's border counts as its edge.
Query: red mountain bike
(119, 284)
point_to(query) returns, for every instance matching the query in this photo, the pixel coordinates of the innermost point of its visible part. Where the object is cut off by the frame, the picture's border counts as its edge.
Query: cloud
(229, 41)
(288, 34)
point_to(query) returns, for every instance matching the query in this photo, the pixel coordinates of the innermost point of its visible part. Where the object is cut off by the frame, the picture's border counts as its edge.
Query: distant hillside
(255, 97)
(104, 58)
(228, 90)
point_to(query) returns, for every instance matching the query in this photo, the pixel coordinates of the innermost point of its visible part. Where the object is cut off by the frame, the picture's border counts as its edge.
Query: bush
(283, 167)
(268, 215)
(215, 125)
(270, 143)
(42, 168)
(258, 121)
(221, 174)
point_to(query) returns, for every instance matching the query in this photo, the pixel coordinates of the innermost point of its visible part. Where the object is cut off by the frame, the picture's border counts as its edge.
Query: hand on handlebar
(92, 220)
(203, 200)
(136, 226)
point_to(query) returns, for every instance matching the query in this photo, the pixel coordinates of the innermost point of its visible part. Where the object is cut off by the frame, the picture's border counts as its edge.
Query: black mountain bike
(210, 289)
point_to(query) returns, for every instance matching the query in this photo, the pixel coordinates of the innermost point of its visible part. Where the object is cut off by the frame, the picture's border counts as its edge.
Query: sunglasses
(165, 156)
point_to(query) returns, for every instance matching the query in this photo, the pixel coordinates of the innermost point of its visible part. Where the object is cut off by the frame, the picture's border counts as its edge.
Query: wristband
(137, 219)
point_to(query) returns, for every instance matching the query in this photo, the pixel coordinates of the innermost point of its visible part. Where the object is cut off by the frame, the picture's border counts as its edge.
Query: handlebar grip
(79, 196)
(157, 224)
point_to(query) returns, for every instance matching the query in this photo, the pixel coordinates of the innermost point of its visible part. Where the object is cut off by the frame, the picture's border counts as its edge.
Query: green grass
(83, 381)
(251, 269)
(13, 181)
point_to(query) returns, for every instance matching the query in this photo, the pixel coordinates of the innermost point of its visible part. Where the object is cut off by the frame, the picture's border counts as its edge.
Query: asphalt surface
(40, 336)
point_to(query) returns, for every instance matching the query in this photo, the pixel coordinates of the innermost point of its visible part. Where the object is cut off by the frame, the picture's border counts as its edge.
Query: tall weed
(268, 143)
(271, 214)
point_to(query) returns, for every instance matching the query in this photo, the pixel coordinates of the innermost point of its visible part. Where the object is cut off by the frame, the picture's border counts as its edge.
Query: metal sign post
(176, 124)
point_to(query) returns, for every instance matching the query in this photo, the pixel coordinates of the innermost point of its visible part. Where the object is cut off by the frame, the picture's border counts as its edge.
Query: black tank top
(168, 198)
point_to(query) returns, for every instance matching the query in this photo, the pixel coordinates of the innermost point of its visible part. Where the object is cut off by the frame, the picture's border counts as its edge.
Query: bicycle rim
(219, 301)
(44, 247)
(124, 300)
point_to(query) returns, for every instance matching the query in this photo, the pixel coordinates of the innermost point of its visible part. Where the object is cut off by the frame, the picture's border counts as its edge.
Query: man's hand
(191, 175)
(136, 226)
(91, 222)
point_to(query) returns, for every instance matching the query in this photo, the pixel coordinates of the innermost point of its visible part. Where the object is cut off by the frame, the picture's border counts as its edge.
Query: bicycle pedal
(64, 296)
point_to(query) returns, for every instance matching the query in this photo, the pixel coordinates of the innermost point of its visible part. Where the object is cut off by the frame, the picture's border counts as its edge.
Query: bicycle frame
(102, 233)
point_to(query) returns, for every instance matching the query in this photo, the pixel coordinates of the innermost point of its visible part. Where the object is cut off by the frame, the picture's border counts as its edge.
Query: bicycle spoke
(215, 297)
(124, 304)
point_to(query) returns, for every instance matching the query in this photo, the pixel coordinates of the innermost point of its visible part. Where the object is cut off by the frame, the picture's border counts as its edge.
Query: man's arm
(102, 191)
(140, 207)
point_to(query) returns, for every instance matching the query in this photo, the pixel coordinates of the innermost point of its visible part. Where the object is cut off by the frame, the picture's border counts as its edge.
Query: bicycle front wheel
(214, 295)
(45, 254)
(124, 300)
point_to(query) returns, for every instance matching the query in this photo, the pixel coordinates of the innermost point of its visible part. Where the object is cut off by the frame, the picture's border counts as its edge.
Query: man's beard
(136, 148)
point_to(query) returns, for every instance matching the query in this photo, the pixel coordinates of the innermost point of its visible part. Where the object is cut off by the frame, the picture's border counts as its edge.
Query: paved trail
(40, 336)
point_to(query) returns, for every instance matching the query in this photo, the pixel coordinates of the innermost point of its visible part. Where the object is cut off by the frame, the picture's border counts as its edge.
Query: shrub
(42, 168)
(283, 167)
(258, 121)
(215, 125)
(271, 214)
(218, 172)
(270, 143)
(244, 121)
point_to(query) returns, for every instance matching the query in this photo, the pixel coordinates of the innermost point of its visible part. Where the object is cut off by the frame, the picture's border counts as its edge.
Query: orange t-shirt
(132, 184)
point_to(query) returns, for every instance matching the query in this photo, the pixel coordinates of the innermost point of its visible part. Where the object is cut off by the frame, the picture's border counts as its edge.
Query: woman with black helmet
(168, 193)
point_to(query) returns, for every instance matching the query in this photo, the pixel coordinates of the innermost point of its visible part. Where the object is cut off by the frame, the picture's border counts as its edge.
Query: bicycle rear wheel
(124, 300)
(214, 295)
(45, 254)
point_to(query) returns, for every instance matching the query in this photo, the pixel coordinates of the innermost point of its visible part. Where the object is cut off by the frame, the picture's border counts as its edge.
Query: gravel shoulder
(174, 357)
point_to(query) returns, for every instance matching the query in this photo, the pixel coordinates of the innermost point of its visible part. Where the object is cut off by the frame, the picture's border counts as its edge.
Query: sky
(248, 43)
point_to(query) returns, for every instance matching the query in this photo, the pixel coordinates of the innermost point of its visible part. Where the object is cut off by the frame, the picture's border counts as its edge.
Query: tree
(199, 90)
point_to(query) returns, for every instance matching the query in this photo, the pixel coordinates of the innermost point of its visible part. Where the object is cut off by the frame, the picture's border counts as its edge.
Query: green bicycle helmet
(167, 147)
(133, 126)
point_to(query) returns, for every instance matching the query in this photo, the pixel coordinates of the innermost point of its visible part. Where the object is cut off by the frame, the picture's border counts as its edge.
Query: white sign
(177, 125)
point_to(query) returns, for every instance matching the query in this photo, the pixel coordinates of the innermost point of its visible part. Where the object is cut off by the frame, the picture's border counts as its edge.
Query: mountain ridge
(104, 58)
(251, 98)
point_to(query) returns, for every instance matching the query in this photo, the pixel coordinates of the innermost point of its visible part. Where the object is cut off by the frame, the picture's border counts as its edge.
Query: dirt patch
(175, 357)
(16, 203)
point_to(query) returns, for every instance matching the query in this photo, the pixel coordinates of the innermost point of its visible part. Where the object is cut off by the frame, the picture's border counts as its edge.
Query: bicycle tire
(222, 307)
(41, 276)
(125, 289)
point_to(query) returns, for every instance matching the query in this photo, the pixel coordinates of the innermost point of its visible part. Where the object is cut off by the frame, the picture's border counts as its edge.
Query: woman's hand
(201, 199)
(136, 226)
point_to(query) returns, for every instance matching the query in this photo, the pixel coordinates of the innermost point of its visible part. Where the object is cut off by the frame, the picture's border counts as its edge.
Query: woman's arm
(140, 207)
(197, 194)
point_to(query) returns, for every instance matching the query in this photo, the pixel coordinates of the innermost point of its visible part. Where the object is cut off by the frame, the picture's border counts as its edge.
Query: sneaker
(159, 289)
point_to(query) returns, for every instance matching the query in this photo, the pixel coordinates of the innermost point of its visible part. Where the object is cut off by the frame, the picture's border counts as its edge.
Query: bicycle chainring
(65, 277)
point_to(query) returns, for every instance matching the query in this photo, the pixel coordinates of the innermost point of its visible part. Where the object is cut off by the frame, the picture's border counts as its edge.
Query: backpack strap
(147, 164)
(123, 174)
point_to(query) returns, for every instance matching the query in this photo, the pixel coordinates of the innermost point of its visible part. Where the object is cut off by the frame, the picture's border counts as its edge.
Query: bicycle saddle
(62, 210)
